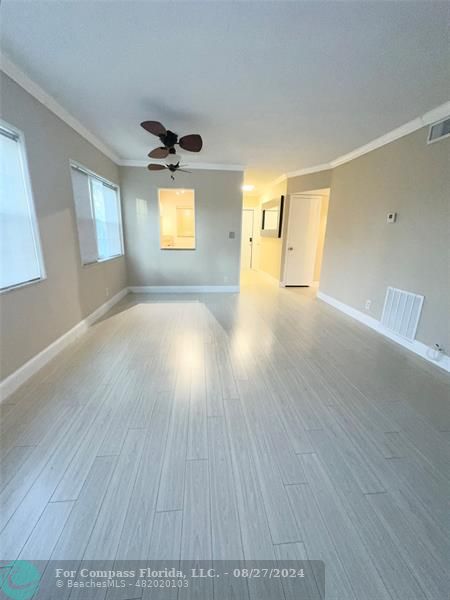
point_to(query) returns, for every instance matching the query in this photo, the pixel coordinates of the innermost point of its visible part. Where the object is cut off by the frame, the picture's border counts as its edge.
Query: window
(20, 251)
(97, 207)
(177, 219)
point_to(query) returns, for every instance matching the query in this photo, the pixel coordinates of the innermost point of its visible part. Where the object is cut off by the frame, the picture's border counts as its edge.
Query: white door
(302, 238)
(247, 239)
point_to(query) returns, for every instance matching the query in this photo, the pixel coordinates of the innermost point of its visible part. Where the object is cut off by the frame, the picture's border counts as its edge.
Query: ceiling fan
(191, 143)
(173, 168)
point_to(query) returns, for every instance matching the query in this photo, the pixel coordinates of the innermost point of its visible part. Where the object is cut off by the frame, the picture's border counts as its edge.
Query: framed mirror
(272, 217)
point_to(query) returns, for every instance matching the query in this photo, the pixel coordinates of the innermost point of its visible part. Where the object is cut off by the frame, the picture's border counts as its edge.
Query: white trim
(10, 69)
(405, 129)
(278, 180)
(309, 170)
(437, 114)
(240, 245)
(430, 117)
(387, 138)
(17, 75)
(422, 350)
(23, 373)
(193, 166)
(181, 289)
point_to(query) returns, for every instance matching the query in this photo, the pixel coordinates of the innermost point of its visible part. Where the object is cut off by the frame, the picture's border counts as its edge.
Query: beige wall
(270, 249)
(250, 201)
(321, 236)
(363, 254)
(307, 183)
(35, 315)
(218, 207)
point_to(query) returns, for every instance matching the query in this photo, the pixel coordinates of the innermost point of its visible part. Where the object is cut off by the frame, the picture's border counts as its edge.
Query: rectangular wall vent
(401, 312)
(439, 130)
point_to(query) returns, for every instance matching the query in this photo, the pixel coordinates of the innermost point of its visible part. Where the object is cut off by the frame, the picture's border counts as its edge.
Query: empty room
(224, 300)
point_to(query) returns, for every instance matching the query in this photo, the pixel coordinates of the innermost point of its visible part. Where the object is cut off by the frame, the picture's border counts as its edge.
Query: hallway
(257, 425)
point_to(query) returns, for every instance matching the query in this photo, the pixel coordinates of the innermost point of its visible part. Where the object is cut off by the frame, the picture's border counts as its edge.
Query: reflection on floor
(254, 425)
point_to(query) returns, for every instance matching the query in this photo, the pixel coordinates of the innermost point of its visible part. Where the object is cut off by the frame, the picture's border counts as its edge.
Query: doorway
(248, 218)
(306, 226)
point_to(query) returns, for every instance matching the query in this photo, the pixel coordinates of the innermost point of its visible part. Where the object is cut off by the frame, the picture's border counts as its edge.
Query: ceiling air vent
(439, 131)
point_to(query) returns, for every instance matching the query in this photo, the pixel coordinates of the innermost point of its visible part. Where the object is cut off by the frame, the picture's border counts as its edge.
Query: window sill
(102, 260)
(174, 248)
(19, 286)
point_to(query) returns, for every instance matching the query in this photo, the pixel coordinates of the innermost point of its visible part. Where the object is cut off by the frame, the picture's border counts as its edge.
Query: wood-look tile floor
(256, 425)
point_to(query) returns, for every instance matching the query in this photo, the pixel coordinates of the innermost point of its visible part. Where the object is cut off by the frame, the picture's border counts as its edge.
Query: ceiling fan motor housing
(169, 139)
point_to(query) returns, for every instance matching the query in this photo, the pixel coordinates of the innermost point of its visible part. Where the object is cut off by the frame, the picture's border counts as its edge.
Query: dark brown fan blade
(183, 171)
(159, 153)
(154, 127)
(155, 167)
(192, 143)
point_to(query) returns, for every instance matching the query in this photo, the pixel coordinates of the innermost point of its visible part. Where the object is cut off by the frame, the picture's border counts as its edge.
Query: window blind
(98, 217)
(20, 257)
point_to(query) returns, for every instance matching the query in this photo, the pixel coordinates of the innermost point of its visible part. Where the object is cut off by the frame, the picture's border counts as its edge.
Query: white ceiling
(275, 86)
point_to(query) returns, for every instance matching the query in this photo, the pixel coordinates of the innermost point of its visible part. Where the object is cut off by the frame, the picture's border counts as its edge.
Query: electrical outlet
(391, 217)
(368, 304)
(107, 292)
(225, 278)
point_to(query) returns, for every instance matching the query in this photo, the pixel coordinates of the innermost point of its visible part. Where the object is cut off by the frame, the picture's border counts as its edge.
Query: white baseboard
(422, 350)
(16, 379)
(182, 289)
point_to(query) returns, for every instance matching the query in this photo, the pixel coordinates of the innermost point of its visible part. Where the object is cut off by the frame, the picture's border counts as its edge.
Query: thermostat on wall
(391, 217)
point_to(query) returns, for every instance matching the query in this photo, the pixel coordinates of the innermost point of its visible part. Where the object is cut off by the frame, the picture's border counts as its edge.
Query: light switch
(391, 217)
(231, 235)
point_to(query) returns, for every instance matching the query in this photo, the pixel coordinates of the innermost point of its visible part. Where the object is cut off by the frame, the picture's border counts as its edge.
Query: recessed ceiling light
(247, 188)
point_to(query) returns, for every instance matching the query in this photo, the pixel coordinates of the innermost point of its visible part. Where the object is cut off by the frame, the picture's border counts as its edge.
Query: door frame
(290, 198)
(252, 210)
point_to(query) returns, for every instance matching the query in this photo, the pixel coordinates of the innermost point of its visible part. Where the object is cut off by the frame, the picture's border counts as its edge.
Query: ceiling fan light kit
(192, 143)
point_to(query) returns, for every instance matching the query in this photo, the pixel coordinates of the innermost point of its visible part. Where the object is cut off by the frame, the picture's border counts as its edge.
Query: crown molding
(309, 170)
(387, 138)
(438, 113)
(17, 75)
(278, 180)
(194, 166)
(35, 90)
(430, 117)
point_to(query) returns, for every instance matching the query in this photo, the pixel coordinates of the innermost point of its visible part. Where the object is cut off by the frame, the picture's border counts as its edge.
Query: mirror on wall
(177, 219)
(272, 217)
